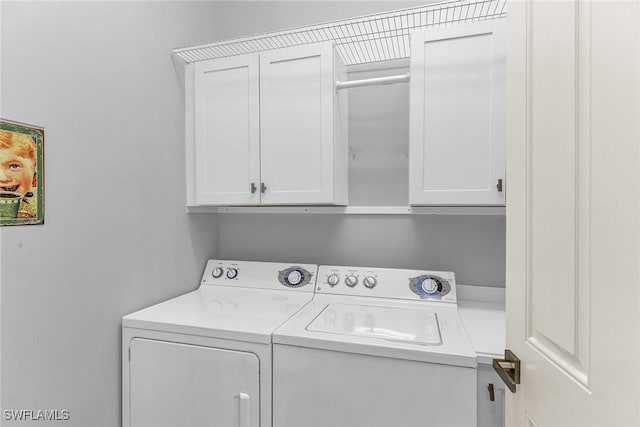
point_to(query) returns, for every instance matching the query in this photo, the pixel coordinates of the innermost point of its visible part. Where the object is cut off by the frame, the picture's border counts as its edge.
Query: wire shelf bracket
(361, 40)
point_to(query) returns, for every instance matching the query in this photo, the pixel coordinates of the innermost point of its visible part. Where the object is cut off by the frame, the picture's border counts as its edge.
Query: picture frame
(21, 173)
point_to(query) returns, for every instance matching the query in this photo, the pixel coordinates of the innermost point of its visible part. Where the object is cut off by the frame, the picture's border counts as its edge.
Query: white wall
(99, 77)
(472, 247)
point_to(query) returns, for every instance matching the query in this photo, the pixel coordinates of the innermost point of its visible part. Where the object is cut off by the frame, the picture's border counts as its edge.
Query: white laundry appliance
(375, 347)
(205, 358)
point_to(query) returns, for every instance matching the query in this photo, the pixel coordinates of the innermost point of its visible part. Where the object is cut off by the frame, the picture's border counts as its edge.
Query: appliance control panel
(387, 283)
(260, 275)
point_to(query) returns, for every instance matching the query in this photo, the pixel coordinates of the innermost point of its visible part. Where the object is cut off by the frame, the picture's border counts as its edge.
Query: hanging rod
(403, 78)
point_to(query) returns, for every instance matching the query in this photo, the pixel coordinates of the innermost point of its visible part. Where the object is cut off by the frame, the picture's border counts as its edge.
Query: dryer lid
(242, 314)
(388, 323)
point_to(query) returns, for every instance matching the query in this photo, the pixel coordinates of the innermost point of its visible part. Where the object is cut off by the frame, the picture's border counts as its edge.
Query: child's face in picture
(17, 173)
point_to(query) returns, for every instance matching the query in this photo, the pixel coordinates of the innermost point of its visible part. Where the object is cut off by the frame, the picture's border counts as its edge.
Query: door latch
(508, 369)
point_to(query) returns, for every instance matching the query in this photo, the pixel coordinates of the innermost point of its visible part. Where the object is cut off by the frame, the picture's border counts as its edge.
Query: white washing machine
(375, 347)
(205, 358)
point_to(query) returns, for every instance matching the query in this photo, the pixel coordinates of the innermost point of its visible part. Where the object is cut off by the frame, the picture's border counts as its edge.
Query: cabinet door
(297, 130)
(456, 135)
(490, 412)
(227, 145)
(174, 384)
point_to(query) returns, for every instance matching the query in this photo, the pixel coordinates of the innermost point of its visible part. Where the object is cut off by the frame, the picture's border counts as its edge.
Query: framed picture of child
(21, 173)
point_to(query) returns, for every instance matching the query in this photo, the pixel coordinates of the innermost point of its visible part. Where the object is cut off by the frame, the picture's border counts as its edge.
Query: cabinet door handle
(499, 186)
(492, 393)
(263, 188)
(253, 187)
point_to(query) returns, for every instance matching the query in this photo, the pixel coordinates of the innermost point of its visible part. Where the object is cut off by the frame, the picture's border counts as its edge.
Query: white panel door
(227, 134)
(297, 129)
(573, 212)
(456, 133)
(184, 385)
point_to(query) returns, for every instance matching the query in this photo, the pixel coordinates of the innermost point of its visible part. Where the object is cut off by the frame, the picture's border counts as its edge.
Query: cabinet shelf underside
(354, 210)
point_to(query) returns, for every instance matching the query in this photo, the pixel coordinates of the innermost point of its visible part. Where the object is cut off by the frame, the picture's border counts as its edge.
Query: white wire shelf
(360, 40)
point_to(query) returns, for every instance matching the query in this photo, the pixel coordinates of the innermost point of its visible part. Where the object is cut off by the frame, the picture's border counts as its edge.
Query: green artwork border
(37, 133)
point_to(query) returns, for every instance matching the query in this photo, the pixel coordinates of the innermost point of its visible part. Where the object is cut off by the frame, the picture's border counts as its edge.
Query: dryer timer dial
(294, 277)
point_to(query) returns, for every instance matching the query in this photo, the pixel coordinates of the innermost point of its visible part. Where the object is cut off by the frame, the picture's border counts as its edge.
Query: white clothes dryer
(205, 358)
(375, 347)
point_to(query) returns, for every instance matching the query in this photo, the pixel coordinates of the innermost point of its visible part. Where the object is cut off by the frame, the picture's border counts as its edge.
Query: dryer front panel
(173, 384)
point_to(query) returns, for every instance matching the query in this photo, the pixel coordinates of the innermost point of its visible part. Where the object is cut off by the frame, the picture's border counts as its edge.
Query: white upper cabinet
(227, 131)
(304, 154)
(270, 129)
(457, 109)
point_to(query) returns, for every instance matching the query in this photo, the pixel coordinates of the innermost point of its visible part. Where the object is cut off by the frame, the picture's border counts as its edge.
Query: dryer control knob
(351, 280)
(430, 286)
(333, 279)
(370, 282)
(217, 272)
(294, 277)
(232, 273)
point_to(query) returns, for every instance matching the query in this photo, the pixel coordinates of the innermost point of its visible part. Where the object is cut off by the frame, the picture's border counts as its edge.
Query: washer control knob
(294, 277)
(351, 280)
(370, 282)
(430, 286)
(333, 279)
(217, 272)
(232, 273)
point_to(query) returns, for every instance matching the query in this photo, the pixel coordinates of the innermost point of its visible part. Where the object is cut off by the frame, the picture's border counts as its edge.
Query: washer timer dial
(428, 286)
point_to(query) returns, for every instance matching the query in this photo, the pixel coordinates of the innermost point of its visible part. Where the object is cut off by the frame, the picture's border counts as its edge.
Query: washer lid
(417, 330)
(242, 314)
(389, 323)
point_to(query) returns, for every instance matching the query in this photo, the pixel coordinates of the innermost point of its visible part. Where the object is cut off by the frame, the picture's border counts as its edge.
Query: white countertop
(482, 312)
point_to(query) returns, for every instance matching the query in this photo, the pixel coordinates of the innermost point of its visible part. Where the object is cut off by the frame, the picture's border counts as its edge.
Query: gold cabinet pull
(508, 369)
(499, 186)
(492, 393)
